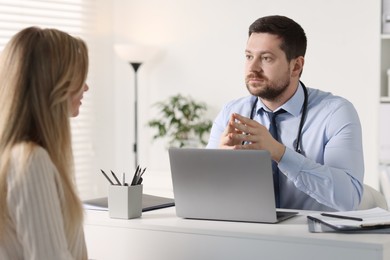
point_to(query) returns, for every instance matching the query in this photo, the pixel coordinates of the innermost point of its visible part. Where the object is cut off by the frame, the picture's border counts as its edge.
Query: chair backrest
(372, 198)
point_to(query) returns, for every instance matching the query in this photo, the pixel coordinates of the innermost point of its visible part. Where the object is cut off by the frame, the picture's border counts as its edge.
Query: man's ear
(297, 66)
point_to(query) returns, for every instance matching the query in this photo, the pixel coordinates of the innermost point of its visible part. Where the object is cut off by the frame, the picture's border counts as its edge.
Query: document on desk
(376, 220)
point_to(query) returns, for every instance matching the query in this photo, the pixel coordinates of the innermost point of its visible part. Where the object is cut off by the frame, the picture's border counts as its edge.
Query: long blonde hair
(39, 70)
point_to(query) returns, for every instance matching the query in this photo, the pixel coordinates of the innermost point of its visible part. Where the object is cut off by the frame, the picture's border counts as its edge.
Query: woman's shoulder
(29, 155)
(28, 149)
(30, 170)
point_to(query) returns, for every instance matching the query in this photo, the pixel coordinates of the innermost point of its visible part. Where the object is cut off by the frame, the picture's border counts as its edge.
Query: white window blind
(76, 17)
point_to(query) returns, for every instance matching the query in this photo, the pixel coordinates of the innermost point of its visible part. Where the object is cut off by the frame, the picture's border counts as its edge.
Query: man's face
(267, 71)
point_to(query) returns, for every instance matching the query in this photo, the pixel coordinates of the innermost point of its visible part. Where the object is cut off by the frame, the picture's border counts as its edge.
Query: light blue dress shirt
(328, 174)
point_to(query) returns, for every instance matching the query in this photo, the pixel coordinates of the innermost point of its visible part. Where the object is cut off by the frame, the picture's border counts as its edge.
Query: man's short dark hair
(293, 36)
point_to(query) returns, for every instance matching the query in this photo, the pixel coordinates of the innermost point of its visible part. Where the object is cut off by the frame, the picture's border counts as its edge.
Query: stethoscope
(303, 116)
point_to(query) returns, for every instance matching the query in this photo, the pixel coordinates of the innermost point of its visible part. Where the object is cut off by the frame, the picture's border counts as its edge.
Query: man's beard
(270, 90)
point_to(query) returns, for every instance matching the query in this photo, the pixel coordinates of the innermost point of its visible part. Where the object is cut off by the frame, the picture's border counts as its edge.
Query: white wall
(101, 100)
(202, 54)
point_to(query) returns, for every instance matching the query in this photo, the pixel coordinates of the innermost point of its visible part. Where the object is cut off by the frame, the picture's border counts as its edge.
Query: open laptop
(229, 185)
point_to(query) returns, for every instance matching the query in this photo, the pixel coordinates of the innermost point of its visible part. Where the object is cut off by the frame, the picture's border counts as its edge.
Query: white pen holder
(125, 202)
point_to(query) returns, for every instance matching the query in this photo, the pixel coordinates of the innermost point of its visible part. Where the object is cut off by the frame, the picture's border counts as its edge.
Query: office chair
(372, 198)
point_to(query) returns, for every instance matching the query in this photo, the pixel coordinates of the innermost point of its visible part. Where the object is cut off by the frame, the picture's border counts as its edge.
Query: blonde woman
(42, 81)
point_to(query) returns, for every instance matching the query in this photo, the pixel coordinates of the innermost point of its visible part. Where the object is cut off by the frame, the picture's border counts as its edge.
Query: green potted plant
(180, 119)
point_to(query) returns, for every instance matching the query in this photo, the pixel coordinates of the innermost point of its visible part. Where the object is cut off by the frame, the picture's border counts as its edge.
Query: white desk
(161, 235)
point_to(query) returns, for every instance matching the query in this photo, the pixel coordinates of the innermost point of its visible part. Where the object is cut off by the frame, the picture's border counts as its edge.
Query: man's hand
(229, 136)
(245, 133)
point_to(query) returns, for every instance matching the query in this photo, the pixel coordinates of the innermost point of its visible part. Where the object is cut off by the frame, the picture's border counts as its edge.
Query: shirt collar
(292, 106)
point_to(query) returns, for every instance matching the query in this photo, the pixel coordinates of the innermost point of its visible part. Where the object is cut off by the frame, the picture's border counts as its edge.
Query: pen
(116, 179)
(105, 175)
(341, 217)
(142, 172)
(133, 182)
(124, 179)
(139, 179)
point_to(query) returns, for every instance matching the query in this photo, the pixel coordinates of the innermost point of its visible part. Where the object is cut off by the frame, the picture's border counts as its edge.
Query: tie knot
(272, 115)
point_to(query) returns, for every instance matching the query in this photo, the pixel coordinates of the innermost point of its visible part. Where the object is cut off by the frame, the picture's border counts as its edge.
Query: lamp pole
(135, 66)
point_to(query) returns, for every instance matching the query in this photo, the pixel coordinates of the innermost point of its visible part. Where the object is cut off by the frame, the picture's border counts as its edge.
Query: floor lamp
(135, 66)
(135, 56)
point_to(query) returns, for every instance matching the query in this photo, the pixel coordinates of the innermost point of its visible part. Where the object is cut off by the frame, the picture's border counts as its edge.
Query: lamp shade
(135, 53)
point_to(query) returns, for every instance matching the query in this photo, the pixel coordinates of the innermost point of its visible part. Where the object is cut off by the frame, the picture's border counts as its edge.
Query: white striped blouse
(35, 228)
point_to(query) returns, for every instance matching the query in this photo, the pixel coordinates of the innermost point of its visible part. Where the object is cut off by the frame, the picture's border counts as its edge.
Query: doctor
(317, 148)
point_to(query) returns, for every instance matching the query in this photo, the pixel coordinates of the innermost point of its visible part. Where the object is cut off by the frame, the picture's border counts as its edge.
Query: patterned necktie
(273, 129)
